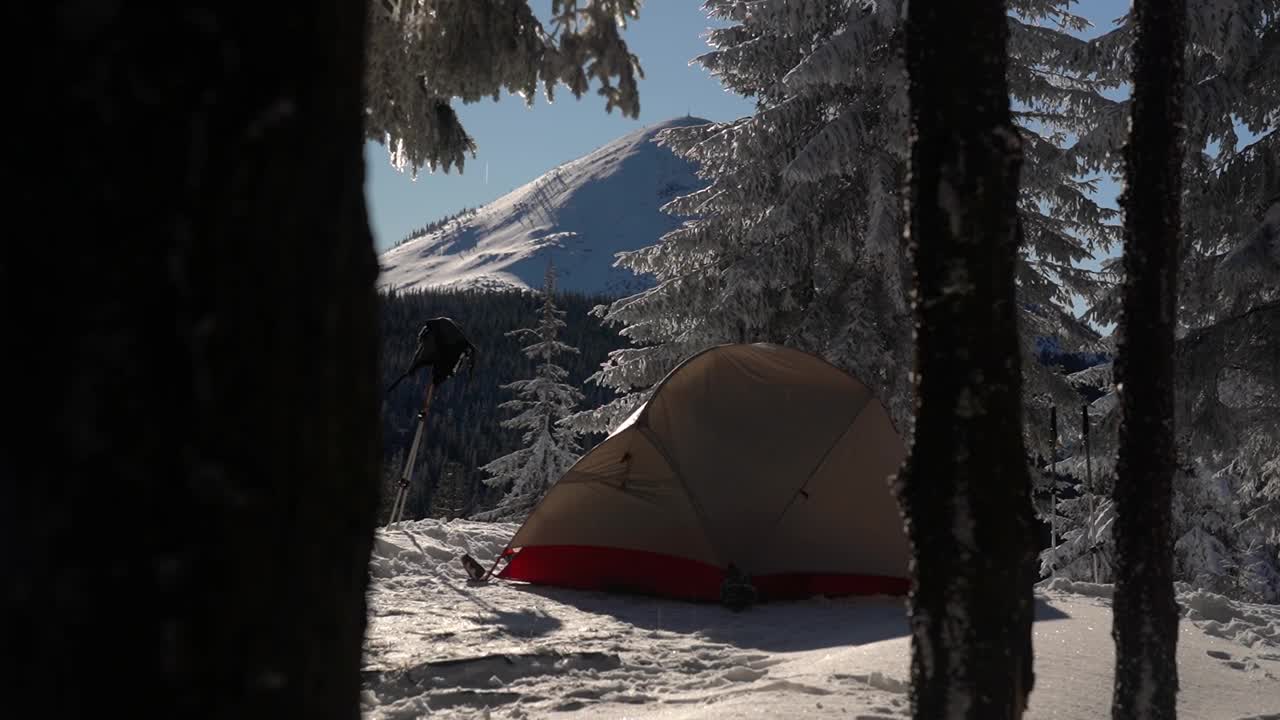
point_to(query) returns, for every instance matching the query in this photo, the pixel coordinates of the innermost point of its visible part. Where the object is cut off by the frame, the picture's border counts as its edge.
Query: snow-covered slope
(580, 214)
(441, 646)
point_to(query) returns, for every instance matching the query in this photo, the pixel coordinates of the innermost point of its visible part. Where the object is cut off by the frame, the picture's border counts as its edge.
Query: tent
(759, 456)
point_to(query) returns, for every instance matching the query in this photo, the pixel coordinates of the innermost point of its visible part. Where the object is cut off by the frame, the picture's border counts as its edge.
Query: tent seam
(768, 535)
(684, 485)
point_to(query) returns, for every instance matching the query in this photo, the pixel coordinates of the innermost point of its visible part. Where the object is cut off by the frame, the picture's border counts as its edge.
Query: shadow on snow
(771, 627)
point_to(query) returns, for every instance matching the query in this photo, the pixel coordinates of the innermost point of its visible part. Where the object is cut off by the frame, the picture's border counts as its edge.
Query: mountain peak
(579, 214)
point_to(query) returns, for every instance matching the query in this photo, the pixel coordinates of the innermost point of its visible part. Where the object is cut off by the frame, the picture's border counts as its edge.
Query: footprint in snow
(877, 680)
(743, 673)
(1225, 657)
(755, 662)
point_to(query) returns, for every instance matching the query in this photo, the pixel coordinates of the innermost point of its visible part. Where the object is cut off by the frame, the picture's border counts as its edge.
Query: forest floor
(439, 645)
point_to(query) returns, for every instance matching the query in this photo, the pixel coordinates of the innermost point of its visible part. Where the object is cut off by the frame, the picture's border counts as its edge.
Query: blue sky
(516, 143)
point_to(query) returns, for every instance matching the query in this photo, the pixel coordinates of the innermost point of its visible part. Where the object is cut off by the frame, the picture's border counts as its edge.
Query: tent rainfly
(757, 456)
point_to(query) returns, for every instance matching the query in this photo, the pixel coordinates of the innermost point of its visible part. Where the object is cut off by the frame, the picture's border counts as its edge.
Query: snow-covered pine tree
(423, 54)
(1057, 98)
(749, 268)
(542, 402)
(1226, 521)
(798, 236)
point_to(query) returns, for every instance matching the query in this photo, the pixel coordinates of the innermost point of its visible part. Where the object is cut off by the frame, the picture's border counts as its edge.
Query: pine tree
(1146, 615)
(1056, 100)
(798, 236)
(965, 488)
(422, 54)
(747, 270)
(543, 401)
(453, 496)
(1226, 529)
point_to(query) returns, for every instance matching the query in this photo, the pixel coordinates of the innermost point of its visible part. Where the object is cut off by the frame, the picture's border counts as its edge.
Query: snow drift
(441, 646)
(581, 214)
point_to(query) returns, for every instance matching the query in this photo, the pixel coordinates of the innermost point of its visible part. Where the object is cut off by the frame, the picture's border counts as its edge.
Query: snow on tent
(754, 456)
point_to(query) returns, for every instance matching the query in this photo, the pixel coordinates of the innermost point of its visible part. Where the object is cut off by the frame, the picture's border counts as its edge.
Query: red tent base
(605, 569)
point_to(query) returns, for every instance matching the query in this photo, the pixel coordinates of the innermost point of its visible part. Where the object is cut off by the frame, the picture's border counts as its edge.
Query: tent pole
(497, 560)
(476, 571)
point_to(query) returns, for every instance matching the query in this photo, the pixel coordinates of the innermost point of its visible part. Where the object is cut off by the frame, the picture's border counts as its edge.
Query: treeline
(437, 224)
(464, 429)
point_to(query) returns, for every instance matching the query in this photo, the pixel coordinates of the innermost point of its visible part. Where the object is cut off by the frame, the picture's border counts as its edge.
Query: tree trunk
(965, 488)
(201, 508)
(1146, 612)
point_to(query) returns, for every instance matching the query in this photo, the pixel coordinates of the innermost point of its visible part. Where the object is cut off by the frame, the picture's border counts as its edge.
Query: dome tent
(755, 456)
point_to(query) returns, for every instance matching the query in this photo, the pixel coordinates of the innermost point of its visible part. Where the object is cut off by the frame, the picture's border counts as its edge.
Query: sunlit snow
(439, 645)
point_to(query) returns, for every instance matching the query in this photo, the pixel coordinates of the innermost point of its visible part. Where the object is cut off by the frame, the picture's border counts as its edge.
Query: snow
(1253, 626)
(443, 646)
(581, 213)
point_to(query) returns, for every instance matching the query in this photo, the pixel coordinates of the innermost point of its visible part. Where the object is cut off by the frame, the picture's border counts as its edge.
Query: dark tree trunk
(205, 418)
(1146, 613)
(965, 488)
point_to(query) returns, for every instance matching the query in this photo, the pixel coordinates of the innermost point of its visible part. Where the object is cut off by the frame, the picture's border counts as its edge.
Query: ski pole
(1053, 490)
(406, 476)
(1088, 484)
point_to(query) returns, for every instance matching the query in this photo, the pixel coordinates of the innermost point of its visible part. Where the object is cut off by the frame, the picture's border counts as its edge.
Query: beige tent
(759, 456)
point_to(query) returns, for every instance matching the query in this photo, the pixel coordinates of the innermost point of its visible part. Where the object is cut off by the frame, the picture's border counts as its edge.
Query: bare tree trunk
(965, 488)
(1146, 612)
(200, 512)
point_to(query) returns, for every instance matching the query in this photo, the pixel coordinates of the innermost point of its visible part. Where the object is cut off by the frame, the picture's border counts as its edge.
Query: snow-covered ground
(441, 646)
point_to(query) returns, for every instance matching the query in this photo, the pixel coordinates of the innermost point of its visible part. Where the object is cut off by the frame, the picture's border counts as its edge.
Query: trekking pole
(406, 475)
(1053, 490)
(1088, 484)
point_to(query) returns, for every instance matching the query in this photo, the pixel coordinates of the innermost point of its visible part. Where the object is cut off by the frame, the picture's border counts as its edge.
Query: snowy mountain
(579, 214)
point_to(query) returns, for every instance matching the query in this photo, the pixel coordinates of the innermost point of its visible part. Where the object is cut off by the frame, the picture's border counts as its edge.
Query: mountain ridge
(579, 214)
